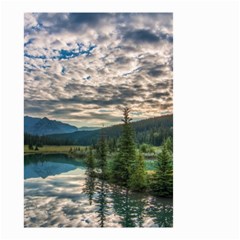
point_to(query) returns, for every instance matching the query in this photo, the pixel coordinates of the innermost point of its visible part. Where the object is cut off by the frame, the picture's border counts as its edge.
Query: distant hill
(45, 126)
(152, 131)
(87, 128)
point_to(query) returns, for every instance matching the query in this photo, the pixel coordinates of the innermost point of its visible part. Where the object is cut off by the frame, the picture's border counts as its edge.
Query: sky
(83, 68)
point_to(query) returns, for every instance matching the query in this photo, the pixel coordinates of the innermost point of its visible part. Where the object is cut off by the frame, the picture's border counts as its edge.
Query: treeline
(35, 140)
(152, 131)
(127, 167)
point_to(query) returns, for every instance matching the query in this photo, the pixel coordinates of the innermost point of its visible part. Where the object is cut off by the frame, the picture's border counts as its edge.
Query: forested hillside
(152, 131)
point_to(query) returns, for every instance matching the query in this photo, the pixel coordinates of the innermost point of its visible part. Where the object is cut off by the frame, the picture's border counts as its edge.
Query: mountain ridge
(45, 126)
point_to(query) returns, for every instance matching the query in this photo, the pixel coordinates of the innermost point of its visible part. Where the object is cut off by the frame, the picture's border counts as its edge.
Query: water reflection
(161, 212)
(60, 197)
(129, 207)
(138, 210)
(89, 188)
(42, 165)
(101, 202)
(100, 189)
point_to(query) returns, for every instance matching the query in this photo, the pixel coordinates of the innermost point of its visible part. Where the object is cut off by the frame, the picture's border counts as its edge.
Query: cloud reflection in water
(62, 201)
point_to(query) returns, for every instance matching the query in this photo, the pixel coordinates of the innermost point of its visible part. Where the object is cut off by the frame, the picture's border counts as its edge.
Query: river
(58, 193)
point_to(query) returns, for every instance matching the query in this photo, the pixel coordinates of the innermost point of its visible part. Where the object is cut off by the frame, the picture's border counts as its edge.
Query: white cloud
(131, 50)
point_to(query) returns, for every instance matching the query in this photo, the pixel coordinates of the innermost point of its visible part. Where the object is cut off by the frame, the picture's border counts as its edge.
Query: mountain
(30, 121)
(152, 131)
(45, 126)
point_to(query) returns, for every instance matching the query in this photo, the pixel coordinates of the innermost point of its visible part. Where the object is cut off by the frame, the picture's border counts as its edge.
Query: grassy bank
(51, 149)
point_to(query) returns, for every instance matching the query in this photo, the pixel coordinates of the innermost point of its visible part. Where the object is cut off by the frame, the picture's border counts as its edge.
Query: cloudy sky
(81, 68)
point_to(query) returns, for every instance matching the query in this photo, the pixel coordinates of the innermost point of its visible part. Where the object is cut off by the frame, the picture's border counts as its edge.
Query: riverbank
(52, 149)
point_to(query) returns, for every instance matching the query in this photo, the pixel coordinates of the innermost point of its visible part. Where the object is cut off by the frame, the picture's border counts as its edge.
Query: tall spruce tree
(126, 156)
(30, 146)
(101, 200)
(90, 161)
(138, 179)
(162, 183)
(169, 144)
(102, 155)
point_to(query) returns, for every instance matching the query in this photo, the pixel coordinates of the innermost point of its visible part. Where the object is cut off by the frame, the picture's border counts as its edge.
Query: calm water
(58, 193)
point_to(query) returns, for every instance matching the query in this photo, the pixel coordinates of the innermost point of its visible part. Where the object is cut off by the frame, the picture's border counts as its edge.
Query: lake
(58, 193)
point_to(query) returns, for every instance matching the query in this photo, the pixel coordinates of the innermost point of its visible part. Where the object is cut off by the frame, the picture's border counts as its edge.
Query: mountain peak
(45, 118)
(45, 126)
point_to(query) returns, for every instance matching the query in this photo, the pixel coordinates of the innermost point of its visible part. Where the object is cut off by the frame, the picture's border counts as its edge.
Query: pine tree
(169, 144)
(30, 146)
(90, 161)
(125, 159)
(101, 200)
(138, 179)
(102, 155)
(163, 178)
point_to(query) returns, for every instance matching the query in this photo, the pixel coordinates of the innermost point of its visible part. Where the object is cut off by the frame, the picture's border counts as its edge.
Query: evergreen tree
(162, 183)
(169, 144)
(125, 159)
(102, 155)
(30, 146)
(90, 161)
(138, 179)
(101, 200)
(144, 148)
